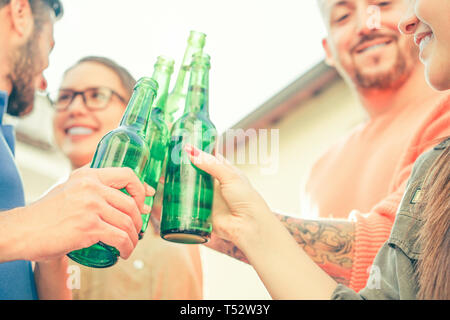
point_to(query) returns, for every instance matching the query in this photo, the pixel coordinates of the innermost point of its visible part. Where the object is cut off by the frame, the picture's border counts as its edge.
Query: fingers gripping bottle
(124, 146)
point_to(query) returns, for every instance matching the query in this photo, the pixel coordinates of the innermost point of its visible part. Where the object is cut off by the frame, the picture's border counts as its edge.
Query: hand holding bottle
(122, 147)
(285, 269)
(238, 207)
(86, 209)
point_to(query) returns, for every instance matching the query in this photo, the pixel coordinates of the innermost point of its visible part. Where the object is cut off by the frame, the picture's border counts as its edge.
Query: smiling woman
(428, 22)
(83, 119)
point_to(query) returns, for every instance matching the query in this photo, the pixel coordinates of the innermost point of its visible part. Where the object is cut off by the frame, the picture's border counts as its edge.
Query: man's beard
(23, 76)
(392, 78)
(383, 80)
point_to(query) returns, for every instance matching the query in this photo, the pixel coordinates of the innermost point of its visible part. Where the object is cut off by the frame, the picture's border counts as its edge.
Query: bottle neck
(181, 85)
(138, 109)
(197, 100)
(162, 76)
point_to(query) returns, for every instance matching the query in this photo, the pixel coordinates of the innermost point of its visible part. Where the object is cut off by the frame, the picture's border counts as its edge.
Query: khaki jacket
(392, 275)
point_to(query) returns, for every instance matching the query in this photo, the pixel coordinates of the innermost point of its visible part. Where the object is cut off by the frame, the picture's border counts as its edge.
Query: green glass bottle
(157, 132)
(177, 98)
(122, 147)
(189, 191)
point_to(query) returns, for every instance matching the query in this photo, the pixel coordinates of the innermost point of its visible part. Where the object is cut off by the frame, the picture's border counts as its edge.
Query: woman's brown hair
(433, 267)
(126, 79)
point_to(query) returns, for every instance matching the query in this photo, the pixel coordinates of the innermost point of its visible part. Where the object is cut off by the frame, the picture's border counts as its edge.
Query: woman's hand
(244, 218)
(238, 207)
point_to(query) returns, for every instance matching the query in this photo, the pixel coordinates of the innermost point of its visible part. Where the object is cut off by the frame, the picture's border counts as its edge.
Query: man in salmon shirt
(358, 183)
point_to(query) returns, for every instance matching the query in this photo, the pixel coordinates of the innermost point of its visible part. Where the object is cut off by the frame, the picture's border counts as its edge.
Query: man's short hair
(55, 5)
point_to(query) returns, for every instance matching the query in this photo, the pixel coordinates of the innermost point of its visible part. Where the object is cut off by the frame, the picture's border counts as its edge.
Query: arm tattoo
(226, 247)
(329, 243)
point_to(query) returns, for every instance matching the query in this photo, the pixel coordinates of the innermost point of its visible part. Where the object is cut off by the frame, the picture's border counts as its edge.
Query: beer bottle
(189, 191)
(177, 98)
(157, 132)
(124, 146)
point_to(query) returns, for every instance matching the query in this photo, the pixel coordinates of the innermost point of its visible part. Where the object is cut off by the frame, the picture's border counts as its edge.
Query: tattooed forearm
(226, 247)
(329, 243)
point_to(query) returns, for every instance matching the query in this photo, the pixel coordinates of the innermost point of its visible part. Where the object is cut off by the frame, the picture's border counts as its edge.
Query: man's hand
(86, 209)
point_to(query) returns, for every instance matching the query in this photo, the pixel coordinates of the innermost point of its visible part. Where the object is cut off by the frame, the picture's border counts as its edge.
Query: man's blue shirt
(16, 277)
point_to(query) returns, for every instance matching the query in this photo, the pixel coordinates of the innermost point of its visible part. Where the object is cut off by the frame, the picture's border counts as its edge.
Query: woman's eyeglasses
(93, 98)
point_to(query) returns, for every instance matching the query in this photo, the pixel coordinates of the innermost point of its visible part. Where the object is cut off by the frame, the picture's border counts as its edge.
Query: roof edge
(306, 86)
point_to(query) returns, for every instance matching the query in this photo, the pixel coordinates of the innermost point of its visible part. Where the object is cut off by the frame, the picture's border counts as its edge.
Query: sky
(257, 47)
